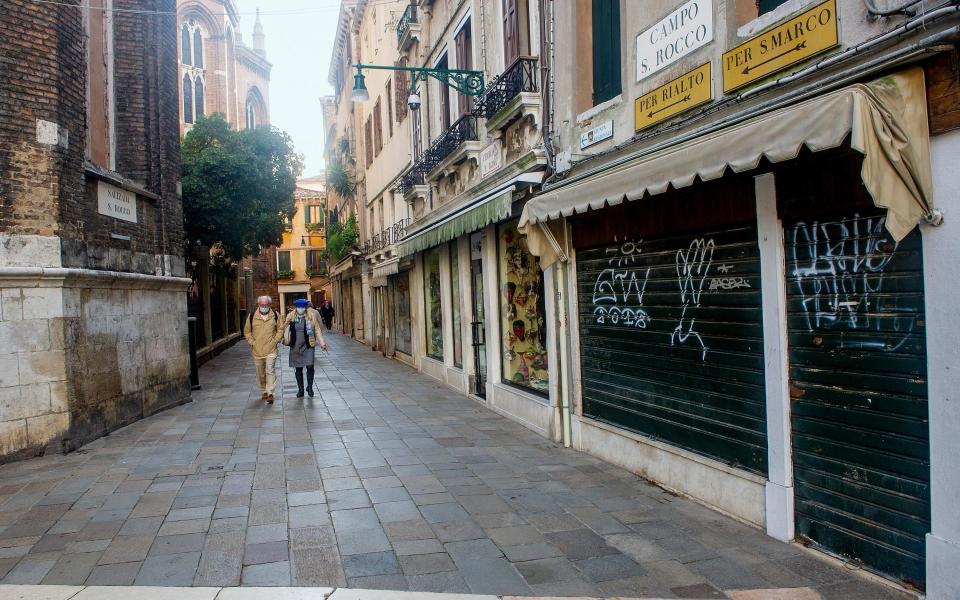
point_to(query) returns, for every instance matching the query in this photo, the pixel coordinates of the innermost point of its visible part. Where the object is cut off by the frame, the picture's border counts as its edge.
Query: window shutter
(377, 128)
(444, 98)
(464, 44)
(511, 32)
(606, 50)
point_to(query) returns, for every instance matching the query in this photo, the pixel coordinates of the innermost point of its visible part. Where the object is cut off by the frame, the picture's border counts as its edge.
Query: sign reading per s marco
(793, 41)
(675, 36)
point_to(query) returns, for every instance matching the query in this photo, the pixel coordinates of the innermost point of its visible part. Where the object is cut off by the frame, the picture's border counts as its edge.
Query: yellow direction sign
(786, 44)
(683, 93)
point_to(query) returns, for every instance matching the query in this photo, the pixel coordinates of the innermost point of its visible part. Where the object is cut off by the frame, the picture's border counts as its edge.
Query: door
(671, 341)
(477, 323)
(858, 389)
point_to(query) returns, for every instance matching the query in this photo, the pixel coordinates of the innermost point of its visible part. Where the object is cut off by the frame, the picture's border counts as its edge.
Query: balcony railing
(388, 236)
(521, 76)
(408, 17)
(464, 130)
(409, 180)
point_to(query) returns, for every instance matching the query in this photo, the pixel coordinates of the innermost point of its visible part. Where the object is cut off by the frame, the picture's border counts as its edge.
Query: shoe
(264, 395)
(300, 394)
(310, 392)
(269, 398)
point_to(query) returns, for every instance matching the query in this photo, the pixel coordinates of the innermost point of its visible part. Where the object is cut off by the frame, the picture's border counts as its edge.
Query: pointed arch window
(185, 52)
(198, 106)
(251, 114)
(187, 99)
(197, 48)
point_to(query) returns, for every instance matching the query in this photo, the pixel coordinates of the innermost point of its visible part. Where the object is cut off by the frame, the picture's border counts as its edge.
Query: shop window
(283, 260)
(431, 283)
(522, 312)
(606, 50)
(401, 307)
(455, 301)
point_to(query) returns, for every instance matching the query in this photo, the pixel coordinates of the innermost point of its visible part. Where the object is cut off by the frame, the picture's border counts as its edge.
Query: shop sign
(491, 158)
(116, 202)
(686, 29)
(682, 94)
(603, 131)
(793, 41)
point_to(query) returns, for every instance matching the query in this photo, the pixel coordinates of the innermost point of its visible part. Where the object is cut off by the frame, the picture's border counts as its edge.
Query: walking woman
(302, 334)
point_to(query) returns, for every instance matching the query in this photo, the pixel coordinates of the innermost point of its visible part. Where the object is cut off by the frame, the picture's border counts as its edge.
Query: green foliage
(341, 238)
(339, 179)
(237, 185)
(285, 274)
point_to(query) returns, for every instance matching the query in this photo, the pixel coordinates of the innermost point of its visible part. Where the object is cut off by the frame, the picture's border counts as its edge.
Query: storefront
(751, 331)
(399, 289)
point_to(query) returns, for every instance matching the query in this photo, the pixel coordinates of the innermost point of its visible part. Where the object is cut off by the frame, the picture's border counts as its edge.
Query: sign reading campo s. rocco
(674, 97)
(116, 202)
(803, 36)
(678, 34)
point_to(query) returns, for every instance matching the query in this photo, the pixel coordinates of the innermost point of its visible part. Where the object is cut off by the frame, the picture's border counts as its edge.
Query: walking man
(326, 313)
(302, 335)
(263, 331)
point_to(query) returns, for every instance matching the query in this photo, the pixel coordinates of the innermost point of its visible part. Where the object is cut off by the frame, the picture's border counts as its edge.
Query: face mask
(264, 310)
(300, 311)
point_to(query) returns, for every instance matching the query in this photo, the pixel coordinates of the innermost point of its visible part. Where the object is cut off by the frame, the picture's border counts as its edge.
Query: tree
(238, 186)
(341, 238)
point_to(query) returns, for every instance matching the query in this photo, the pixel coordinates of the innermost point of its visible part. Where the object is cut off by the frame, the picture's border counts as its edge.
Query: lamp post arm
(463, 80)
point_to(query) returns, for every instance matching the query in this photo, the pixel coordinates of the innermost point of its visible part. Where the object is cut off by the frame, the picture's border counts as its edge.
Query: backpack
(276, 315)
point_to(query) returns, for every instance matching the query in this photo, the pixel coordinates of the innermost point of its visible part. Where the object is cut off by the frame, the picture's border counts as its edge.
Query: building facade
(301, 258)
(93, 333)
(219, 73)
(442, 280)
(706, 240)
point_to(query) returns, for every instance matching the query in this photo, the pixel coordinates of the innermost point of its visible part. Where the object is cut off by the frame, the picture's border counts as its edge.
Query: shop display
(522, 313)
(401, 306)
(431, 281)
(455, 295)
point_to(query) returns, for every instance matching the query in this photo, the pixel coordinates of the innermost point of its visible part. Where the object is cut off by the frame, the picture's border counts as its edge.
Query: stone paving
(385, 480)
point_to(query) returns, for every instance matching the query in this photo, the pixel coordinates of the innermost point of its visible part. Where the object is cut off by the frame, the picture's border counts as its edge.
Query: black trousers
(298, 373)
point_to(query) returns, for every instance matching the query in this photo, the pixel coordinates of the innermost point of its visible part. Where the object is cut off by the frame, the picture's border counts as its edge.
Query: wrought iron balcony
(519, 77)
(409, 180)
(464, 130)
(388, 236)
(405, 25)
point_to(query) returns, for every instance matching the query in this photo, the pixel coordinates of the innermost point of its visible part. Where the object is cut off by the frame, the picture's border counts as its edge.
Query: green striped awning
(476, 216)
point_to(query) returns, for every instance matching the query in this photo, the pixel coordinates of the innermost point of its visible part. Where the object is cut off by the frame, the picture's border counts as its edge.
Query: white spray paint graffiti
(618, 285)
(840, 271)
(693, 267)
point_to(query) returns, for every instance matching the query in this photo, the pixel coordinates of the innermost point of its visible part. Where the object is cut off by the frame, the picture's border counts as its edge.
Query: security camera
(414, 100)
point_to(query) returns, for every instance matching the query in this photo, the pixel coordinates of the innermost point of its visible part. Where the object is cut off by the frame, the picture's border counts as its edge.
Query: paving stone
(184, 527)
(393, 512)
(266, 552)
(270, 574)
(71, 569)
(608, 568)
(415, 547)
(129, 548)
(30, 571)
(258, 534)
(221, 560)
(375, 563)
(409, 530)
(492, 576)
(305, 498)
(317, 566)
(116, 574)
(362, 541)
(465, 551)
(449, 582)
(177, 544)
(141, 526)
(347, 499)
(443, 513)
(381, 495)
(354, 519)
(391, 584)
(169, 570)
(579, 544)
(311, 537)
(530, 552)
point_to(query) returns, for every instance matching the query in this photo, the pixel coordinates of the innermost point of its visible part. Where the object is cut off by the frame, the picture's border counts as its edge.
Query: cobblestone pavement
(385, 480)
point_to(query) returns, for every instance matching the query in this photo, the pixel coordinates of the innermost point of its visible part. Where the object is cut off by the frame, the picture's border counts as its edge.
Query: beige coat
(314, 317)
(265, 334)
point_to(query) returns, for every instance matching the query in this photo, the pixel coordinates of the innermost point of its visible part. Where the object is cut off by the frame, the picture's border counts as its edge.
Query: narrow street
(384, 480)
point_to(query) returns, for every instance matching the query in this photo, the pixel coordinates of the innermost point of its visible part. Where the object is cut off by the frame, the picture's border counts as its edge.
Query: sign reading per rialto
(678, 34)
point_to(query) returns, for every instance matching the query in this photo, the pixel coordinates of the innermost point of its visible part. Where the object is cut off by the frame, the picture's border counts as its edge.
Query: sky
(299, 46)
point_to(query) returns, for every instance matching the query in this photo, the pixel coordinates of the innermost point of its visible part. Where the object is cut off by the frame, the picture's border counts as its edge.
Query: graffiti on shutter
(859, 392)
(671, 341)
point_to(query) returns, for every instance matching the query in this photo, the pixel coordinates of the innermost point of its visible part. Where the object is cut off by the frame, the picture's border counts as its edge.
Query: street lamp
(464, 81)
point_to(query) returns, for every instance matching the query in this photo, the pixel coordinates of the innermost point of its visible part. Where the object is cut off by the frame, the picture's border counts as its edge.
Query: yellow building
(301, 266)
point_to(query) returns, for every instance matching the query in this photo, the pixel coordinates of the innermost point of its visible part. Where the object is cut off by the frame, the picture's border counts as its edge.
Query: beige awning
(886, 120)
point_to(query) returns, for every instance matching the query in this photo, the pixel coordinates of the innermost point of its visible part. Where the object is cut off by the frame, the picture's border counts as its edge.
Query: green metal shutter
(859, 392)
(672, 341)
(606, 50)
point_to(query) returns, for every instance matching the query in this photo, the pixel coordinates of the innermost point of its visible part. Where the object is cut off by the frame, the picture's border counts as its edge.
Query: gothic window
(198, 105)
(187, 99)
(251, 114)
(185, 53)
(197, 48)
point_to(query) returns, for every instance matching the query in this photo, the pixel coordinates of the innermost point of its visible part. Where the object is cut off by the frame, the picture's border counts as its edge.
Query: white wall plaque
(601, 132)
(491, 158)
(678, 34)
(116, 202)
